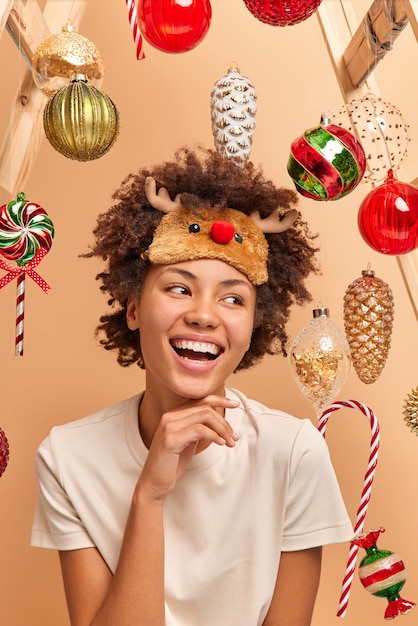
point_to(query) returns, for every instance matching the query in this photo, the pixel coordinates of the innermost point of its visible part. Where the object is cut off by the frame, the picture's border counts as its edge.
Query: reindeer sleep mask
(212, 233)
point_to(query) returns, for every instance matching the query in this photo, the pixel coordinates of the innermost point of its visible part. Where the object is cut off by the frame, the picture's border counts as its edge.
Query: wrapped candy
(382, 573)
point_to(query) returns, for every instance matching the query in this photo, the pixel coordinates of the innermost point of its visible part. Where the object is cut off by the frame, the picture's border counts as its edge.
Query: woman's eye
(233, 300)
(180, 289)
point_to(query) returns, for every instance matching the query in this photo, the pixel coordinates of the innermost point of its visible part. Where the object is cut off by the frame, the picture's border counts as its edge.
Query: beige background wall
(164, 103)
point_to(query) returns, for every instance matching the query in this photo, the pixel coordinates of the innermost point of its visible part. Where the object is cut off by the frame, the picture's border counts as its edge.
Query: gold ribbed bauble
(368, 320)
(61, 56)
(411, 410)
(80, 121)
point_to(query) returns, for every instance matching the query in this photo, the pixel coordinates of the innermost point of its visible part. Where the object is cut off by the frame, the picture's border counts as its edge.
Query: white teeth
(196, 346)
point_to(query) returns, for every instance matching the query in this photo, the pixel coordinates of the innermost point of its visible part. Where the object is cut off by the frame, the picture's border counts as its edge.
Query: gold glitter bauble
(81, 122)
(233, 108)
(411, 410)
(61, 56)
(320, 359)
(368, 320)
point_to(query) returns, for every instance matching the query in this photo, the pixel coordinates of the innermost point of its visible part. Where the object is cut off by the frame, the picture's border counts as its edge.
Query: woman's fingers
(199, 420)
(177, 437)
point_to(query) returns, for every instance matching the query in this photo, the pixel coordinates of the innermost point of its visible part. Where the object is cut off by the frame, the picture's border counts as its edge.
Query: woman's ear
(132, 314)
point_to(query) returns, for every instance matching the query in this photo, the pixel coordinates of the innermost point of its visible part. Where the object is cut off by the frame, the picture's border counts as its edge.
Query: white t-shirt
(226, 521)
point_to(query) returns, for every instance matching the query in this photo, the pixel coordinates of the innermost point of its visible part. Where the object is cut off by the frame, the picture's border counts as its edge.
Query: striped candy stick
(19, 273)
(366, 493)
(136, 33)
(20, 313)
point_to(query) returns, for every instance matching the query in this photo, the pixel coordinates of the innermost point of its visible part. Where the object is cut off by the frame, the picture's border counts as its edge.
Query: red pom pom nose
(222, 231)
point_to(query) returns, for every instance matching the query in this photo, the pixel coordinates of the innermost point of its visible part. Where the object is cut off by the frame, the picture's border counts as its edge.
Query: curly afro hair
(202, 176)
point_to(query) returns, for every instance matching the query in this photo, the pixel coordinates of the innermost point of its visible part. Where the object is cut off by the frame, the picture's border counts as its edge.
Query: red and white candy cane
(367, 488)
(136, 33)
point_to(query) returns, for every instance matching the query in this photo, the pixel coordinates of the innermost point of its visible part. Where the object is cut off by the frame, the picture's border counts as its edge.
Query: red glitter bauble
(4, 452)
(282, 12)
(174, 25)
(388, 217)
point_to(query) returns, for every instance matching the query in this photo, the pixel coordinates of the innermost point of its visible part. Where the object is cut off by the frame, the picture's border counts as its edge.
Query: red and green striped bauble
(382, 573)
(327, 162)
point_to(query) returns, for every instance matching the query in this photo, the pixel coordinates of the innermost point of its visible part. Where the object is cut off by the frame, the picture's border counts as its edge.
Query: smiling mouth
(196, 350)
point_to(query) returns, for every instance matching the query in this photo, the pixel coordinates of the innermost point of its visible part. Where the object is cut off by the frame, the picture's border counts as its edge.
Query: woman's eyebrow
(182, 272)
(228, 282)
(235, 282)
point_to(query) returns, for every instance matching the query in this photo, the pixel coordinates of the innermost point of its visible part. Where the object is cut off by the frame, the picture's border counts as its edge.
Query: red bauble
(174, 25)
(388, 217)
(326, 162)
(4, 452)
(282, 12)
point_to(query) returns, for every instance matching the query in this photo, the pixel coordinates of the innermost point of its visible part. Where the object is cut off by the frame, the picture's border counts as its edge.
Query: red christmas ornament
(174, 25)
(4, 452)
(282, 12)
(388, 217)
(326, 162)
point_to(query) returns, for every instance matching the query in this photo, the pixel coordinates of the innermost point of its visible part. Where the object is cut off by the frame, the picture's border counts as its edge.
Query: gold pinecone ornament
(233, 108)
(368, 320)
(410, 411)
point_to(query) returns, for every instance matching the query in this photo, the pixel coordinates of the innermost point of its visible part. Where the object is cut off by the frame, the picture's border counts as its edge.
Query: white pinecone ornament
(368, 320)
(410, 411)
(233, 108)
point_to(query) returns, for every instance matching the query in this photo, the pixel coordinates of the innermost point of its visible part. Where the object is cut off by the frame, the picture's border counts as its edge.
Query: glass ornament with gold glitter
(233, 109)
(410, 411)
(320, 360)
(80, 121)
(62, 55)
(368, 321)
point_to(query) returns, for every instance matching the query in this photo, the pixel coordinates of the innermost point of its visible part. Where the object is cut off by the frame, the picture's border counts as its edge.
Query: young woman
(190, 504)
